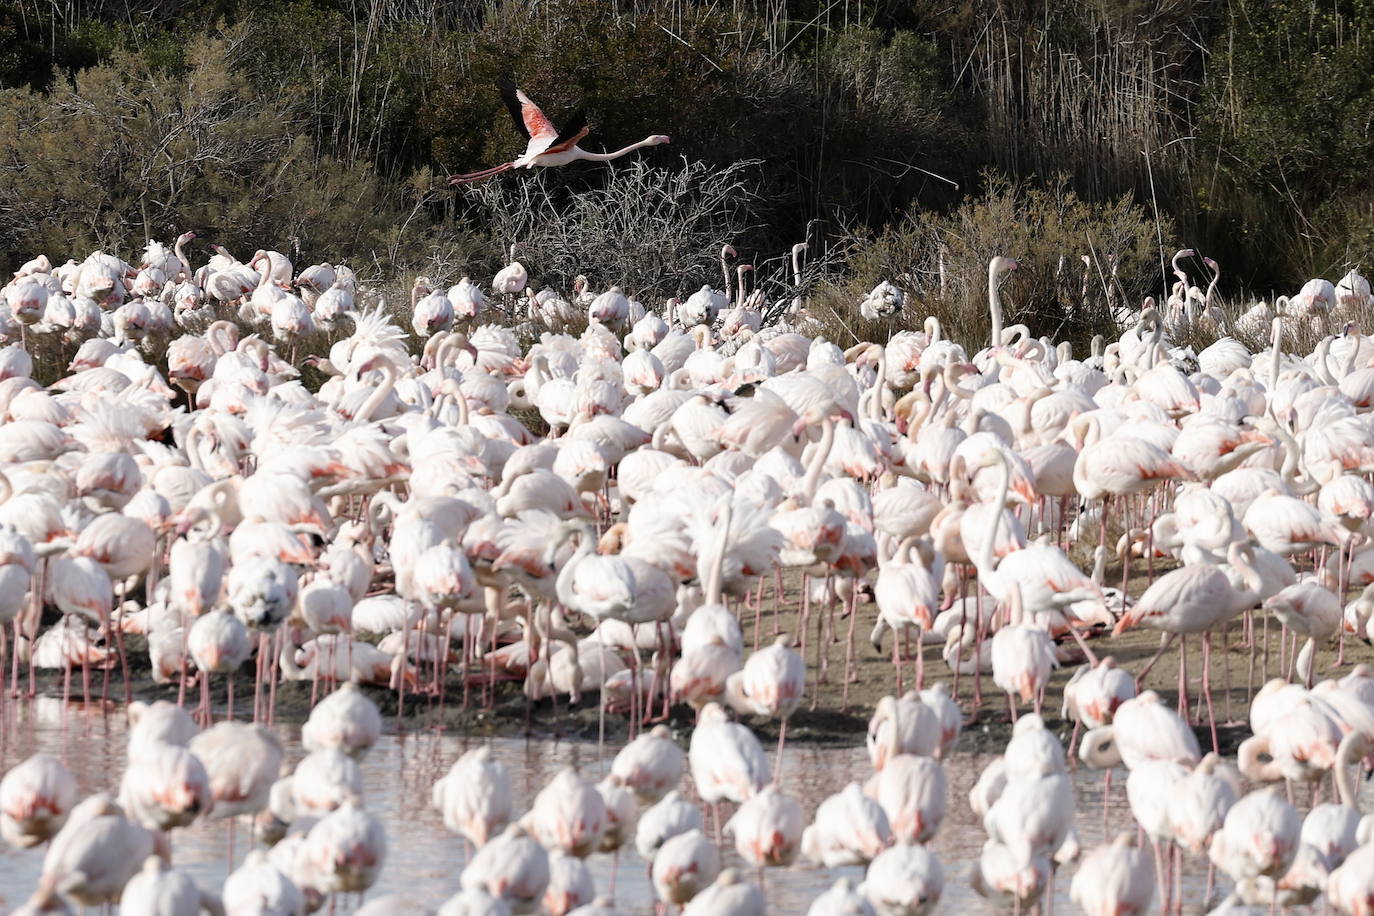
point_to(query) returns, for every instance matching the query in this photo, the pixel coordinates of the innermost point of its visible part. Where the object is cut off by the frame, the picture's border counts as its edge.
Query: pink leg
(853, 603)
(1207, 688)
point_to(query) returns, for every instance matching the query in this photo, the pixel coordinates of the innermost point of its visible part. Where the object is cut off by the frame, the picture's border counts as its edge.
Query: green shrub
(1046, 229)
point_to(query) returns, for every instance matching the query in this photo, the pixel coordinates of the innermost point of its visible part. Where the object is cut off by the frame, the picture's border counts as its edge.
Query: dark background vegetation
(892, 135)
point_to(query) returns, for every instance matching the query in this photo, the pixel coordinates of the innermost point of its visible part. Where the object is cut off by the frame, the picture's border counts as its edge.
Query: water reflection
(425, 860)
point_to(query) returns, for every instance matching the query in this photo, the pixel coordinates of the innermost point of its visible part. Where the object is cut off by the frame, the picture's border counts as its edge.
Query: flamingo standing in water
(771, 683)
(548, 146)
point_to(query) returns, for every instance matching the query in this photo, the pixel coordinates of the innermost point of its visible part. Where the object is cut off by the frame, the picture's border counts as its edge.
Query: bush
(123, 152)
(940, 262)
(653, 232)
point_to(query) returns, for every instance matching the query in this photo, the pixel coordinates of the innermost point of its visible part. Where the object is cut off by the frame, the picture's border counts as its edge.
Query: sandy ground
(826, 716)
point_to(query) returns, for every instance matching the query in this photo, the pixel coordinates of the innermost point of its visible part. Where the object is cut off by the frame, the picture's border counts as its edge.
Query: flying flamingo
(548, 146)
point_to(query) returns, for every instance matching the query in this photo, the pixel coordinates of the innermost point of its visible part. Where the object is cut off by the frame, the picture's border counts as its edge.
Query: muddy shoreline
(824, 718)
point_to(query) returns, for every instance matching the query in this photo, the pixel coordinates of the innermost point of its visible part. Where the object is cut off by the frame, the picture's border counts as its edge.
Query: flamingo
(726, 760)
(849, 829)
(771, 683)
(651, 765)
(1114, 880)
(548, 146)
(475, 797)
(913, 792)
(568, 815)
(767, 829)
(683, 866)
(1194, 599)
(904, 879)
(36, 798)
(346, 719)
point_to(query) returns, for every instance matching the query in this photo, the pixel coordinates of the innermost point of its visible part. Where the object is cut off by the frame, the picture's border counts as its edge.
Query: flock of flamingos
(694, 477)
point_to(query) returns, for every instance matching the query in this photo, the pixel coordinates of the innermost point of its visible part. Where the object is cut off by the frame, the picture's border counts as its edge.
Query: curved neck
(715, 582)
(813, 473)
(987, 554)
(562, 585)
(1239, 559)
(6, 489)
(1248, 760)
(380, 394)
(287, 657)
(193, 456)
(1275, 342)
(1353, 747)
(1292, 464)
(181, 257)
(875, 407)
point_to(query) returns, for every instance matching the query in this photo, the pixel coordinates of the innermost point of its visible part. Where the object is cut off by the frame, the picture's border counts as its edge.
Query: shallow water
(425, 861)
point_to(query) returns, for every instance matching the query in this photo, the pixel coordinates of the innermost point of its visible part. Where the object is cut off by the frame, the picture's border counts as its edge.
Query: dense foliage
(1242, 128)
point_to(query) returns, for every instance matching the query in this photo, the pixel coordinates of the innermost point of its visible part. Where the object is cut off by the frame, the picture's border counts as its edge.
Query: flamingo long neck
(563, 584)
(181, 257)
(1321, 365)
(725, 268)
(715, 581)
(580, 153)
(380, 394)
(1292, 464)
(536, 375)
(1016, 607)
(1211, 287)
(813, 473)
(987, 555)
(1352, 747)
(193, 436)
(1240, 561)
(1249, 762)
(1099, 565)
(994, 305)
(1275, 342)
(287, 657)
(875, 406)
(1351, 355)
(740, 271)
